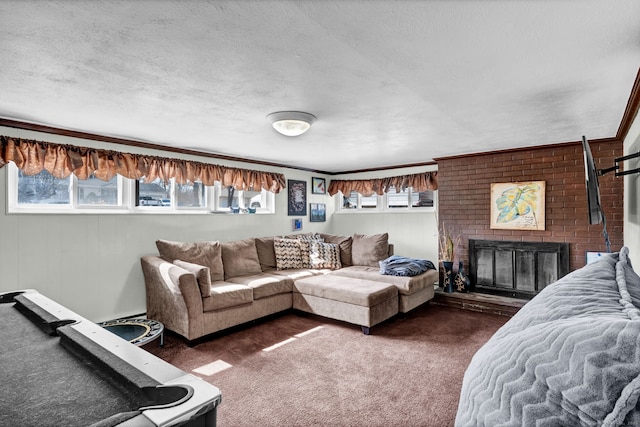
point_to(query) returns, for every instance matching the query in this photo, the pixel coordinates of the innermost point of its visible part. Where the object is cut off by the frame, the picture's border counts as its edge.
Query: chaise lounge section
(199, 288)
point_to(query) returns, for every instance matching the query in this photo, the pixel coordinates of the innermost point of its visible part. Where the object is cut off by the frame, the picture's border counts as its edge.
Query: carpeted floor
(408, 372)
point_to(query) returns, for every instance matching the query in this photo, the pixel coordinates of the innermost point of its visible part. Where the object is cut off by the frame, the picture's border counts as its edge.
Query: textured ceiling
(391, 82)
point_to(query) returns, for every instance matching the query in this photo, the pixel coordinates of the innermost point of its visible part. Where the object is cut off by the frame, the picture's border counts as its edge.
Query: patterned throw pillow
(305, 241)
(345, 244)
(288, 254)
(325, 255)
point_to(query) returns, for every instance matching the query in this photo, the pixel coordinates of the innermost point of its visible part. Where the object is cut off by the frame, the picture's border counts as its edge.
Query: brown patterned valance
(419, 182)
(62, 160)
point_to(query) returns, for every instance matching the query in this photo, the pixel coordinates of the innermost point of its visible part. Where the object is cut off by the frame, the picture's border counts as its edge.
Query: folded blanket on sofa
(397, 265)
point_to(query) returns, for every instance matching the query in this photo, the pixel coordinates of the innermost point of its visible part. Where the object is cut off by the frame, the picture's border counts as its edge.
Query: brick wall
(465, 187)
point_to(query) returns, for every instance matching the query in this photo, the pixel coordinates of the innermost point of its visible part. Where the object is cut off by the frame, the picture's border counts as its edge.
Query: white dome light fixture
(291, 123)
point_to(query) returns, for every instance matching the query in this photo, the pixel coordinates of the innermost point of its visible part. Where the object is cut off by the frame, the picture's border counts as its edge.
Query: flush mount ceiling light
(291, 123)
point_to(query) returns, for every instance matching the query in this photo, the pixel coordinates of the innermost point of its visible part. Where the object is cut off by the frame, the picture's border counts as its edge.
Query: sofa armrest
(173, 296)
(390, 249)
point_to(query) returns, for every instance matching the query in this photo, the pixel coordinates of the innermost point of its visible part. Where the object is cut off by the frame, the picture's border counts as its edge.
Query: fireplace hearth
(516, 269)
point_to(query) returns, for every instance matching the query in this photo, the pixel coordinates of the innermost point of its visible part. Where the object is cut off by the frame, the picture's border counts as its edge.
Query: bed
(569, 357)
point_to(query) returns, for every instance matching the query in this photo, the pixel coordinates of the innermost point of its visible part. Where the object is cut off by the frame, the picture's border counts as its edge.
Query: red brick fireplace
(464, 196)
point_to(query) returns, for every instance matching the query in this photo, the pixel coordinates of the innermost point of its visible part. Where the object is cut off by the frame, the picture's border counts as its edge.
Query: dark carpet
(408, 372)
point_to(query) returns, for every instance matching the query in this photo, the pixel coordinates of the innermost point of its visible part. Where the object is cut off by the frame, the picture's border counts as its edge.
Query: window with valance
(399, 193)
(367, 187)
(62, 160)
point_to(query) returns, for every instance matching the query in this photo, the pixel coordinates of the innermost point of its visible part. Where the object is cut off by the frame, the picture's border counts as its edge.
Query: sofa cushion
(240, 258)
(324, 255)
(369, 250)
(366, 293)
(226, 295)
(202, 274)
(207, 254)
(345, 244)
(288, 254)
(298, 273)
(265, 284)
(266, 253)
(407, 285)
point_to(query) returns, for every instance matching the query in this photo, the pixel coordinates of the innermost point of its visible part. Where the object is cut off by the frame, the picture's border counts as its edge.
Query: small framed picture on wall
(318, 212)
(296, 224)
(318, 186)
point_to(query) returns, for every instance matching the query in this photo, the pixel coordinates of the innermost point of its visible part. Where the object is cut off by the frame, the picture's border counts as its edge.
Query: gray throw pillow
(202, 274)
(207, 254)
(369, 250)
(266, 253)
(240, 258)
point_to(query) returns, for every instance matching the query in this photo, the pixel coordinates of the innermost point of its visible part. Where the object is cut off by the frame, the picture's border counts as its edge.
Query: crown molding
(630, 112)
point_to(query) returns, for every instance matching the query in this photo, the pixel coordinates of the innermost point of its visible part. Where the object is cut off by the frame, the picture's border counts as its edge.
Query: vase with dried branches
(449, 241)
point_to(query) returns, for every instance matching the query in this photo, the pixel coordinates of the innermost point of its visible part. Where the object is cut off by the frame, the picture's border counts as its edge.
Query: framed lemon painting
(518, 205)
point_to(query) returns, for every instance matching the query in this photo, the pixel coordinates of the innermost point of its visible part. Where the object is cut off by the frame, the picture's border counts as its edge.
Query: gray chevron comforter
(569, 357)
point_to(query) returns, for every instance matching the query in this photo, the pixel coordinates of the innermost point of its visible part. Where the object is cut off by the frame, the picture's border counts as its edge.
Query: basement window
(228, 199)
(43, 189)
(405, 200)
(153, 194)
(170, 196)
(357, 201)
(96, 192)
(43, 193)
(408, 199)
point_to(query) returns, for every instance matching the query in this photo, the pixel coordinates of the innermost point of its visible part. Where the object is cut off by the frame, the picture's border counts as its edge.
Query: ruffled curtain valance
(62, 160)
(367, 187)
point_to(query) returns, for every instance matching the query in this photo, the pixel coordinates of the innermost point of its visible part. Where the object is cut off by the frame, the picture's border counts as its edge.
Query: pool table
(58, 368)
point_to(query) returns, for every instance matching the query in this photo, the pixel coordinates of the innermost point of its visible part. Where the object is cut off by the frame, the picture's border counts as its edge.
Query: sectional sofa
(198, 288)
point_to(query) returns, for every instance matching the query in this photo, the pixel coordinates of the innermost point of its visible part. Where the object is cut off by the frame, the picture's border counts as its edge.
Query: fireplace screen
(519, 269)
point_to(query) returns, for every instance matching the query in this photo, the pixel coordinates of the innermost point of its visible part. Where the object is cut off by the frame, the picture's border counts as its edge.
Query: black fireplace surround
(516, 269)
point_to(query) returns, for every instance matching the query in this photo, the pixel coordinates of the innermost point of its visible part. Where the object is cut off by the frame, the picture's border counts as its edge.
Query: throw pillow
(266, 253)
(202, 273)
(345, 243)
(207, 254)
(305, 252)
(240, 258)
(302, 236)
(288, 254)
(369, 250)
(325, 255)
(305, 241)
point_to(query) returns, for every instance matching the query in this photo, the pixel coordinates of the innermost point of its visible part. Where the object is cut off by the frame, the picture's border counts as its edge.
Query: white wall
(632, 195)
(413, 234)
(91, 262)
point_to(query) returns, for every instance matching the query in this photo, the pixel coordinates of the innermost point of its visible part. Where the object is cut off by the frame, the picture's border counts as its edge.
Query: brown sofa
(199, 288)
